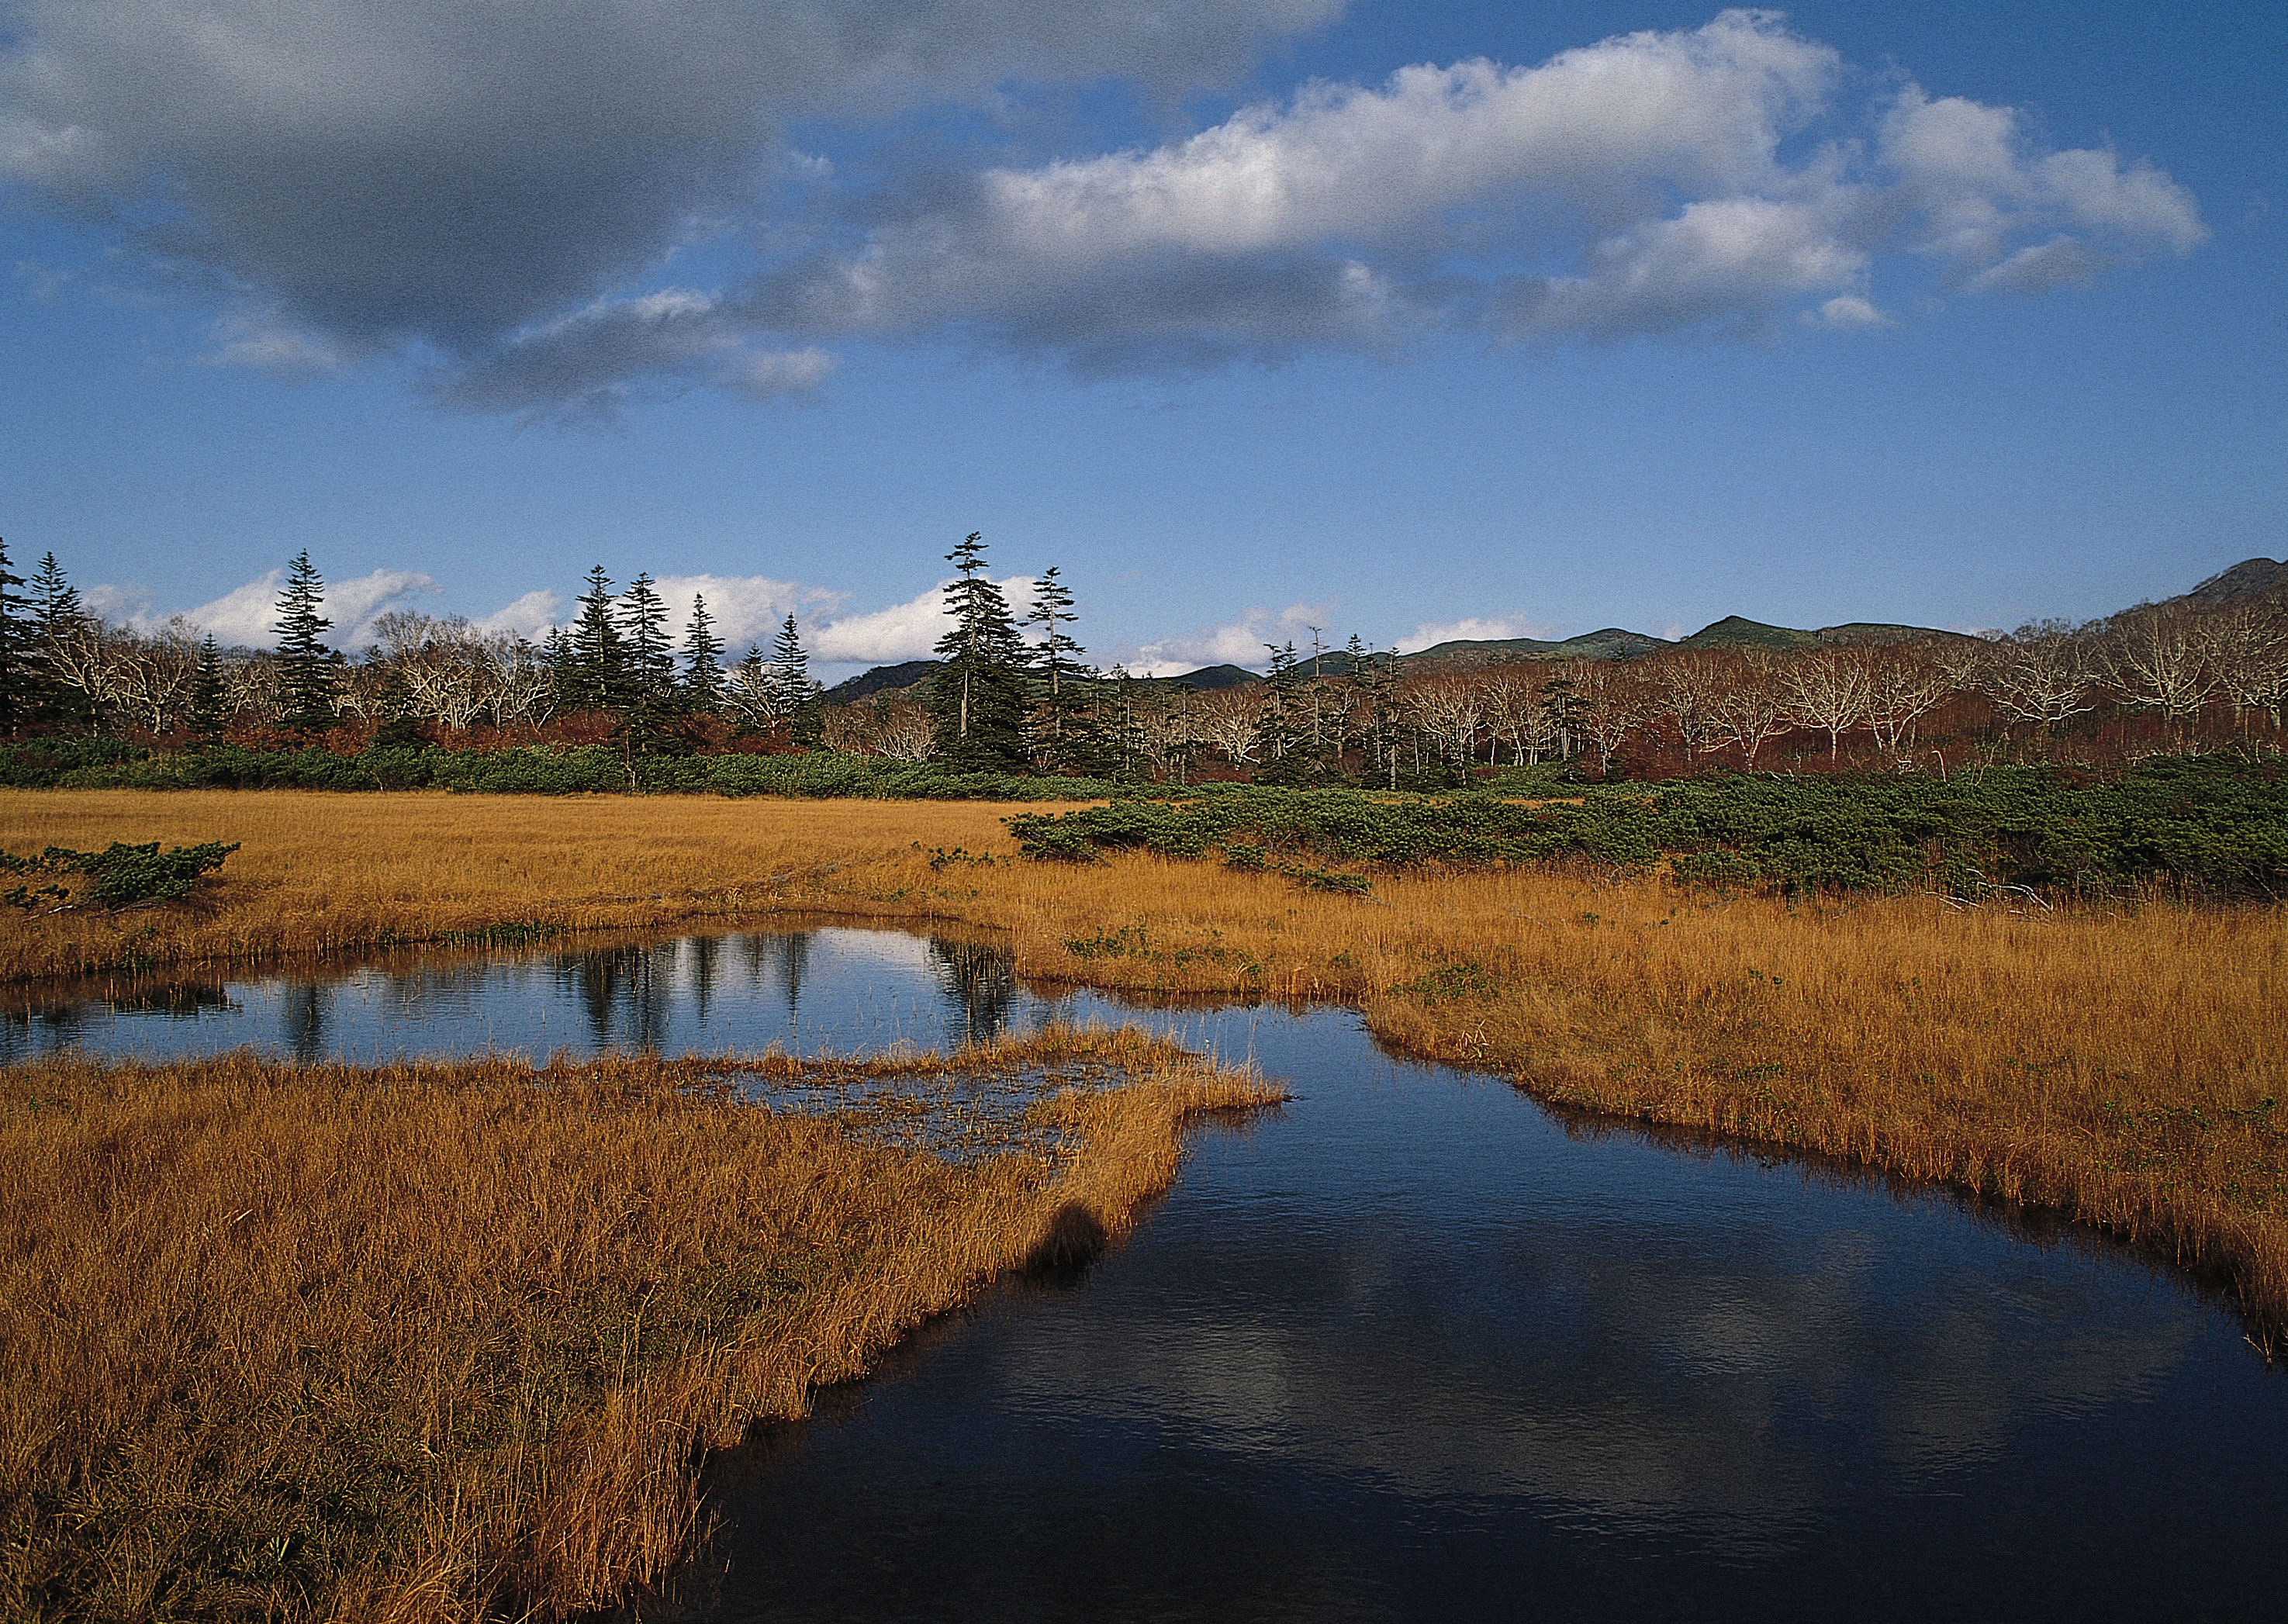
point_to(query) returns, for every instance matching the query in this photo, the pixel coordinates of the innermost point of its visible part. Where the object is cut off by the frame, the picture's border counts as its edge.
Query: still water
(1412, 1347)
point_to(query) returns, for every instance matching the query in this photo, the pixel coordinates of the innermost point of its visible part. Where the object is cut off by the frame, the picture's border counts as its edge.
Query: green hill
(1612, 643)
(1735, 631)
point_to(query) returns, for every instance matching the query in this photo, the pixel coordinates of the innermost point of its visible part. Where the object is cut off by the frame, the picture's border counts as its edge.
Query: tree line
(1015, 693)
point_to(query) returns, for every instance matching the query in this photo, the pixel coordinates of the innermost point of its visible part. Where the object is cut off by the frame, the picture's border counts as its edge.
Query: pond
(1411, 1347)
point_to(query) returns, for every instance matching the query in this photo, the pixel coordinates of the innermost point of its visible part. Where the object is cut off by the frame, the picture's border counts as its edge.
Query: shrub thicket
(2215, 824)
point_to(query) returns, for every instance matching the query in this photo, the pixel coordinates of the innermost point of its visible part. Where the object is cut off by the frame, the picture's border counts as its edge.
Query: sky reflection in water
(1414, 1347)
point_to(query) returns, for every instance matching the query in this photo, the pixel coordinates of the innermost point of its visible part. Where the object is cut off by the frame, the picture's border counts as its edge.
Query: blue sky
(1408, 320)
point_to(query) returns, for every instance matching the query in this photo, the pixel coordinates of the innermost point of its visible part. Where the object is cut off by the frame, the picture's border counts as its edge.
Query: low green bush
(114, 877)
(2211, 823)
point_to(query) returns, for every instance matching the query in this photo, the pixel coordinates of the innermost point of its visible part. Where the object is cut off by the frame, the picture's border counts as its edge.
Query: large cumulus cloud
(515, 190)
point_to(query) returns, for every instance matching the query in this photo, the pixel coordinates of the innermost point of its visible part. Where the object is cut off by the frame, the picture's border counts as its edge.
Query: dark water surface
(1414, 1347)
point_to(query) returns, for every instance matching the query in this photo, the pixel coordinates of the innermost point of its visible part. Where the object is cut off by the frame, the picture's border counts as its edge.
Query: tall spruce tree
(17, 702)
(652, 691)
(308, 669)
(702, 660)
(210, 697)
(643, 628)
(792, 694)
(1064, 738)
(60, 627)
(593, 675)
(977, 695)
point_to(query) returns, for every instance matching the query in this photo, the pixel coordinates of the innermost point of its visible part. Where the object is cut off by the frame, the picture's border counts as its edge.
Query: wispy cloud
(248, 614)
(1477, 629)
(1242, 642)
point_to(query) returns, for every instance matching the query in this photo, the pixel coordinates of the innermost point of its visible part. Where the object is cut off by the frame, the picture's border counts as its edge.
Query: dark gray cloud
(429, 170)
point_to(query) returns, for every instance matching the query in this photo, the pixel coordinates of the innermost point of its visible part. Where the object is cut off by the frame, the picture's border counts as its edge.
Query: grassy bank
(2117, 1060)
(424, 1341)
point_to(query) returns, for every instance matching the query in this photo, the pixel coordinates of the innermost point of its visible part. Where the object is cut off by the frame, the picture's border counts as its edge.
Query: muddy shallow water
(1411, 1346)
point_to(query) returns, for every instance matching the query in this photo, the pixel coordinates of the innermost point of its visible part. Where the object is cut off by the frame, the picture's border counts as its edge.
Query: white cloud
(439, 176)
(1847, 313)
(903, 632)
(1244, 642)
(530, 616)
(746, 608)
(588, 364)
(1476, 628)
(249, 614)
(2039, 268)
(1643, 185)
(261, 341)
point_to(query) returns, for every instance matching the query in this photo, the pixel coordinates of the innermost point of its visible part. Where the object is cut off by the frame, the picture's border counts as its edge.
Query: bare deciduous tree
(1610, 702)
(1903, 684)
(2157, 656)
(2043, 672)
(1447, 709)
(2247, 644)
(1829, 690)
(1747, 707)
(1230, 720)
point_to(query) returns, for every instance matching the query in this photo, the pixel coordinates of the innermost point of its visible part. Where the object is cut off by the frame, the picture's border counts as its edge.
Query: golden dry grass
(438, 1341)
(2119, 1063)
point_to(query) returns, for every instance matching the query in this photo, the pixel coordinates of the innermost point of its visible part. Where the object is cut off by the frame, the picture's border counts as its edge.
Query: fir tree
(643, 624)
(58, 622)
(16, 700)
(792, 695)
(593, 674)
(702, 660)
(308, 668)
(210, 697)
(977, 695)
(1066, 739)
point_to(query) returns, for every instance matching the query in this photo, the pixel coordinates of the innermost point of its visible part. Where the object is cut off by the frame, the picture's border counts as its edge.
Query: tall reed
(445, 1342)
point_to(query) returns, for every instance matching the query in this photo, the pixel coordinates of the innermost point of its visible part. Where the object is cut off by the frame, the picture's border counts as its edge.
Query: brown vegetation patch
(2113, 1061)
(434, 1341)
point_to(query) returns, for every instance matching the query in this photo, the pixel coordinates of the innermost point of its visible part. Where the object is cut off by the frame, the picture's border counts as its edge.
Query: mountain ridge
(2250, 578)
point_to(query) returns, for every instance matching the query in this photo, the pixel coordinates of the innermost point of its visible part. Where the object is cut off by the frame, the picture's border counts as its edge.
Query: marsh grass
(447, 1341)
(2119, 1061)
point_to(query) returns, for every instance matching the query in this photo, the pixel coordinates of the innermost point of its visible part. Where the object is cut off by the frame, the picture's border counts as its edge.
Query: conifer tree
(792, 695)
(651, 687)
(593, 674)
(1065, 739)
(308, 668)
(702, 660)
(977, 695)
(643, 624)
(57, 624)
(16, 700)
(209, 698)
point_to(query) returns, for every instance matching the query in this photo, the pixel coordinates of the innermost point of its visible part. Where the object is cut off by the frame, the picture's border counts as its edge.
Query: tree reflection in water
(979, 981)
(624, 992)
(302, 1012)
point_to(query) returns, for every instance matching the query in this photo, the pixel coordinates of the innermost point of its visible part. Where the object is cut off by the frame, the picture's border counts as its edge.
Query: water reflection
(1413, 1347)
(980, 981)
(1412, 1350)
(745, 991)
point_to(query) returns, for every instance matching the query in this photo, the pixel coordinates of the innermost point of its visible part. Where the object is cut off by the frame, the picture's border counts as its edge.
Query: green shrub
(115, 876)
(2211, 823)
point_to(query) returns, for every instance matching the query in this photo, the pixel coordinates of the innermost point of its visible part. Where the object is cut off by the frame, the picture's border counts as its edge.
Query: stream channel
(1412, 1346)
